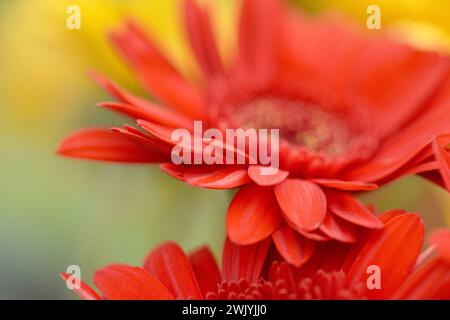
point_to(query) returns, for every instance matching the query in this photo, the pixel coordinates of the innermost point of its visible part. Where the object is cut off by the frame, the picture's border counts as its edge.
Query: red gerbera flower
(353, 113)
(336, 271)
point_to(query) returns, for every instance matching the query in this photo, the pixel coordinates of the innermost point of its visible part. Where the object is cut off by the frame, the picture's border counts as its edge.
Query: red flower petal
(441, 240)
(257, 38)
(254, 172)
(345, 206)
(137, 107)
(365, 66)
(121, 282)
(394, 250)
(339, 229)
(345, 185)
(216, 177)
(396, 155)
(156, 73)
(175, 171)
(303, 203)
(306, 47)
(154, 143)
(429, 282)
(316, 235)
(390, 160)
(169, 264)
(116, 91)
(229, 151)
(365, 234)
(106, 145)
(244, 262)
(161, 132)
(442, 154)
(294, 248)
(151, 112)
(206, 270)
(202, 39)
(85, 292)
(387, 216)
(253, 215)
(419, 76)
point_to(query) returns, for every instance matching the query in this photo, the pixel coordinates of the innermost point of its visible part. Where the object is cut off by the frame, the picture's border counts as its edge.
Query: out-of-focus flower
(421, 23)
(353, 112)
(337, 271)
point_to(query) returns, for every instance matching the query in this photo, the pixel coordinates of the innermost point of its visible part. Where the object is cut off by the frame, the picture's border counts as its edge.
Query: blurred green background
(55, 212)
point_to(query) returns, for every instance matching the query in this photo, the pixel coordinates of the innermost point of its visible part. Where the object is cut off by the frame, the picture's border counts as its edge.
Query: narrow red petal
(156, 73)
(154, 143)
(431, 281)
(441, 240)
(339, 229)
(253, 215)
(387, 216)
(206, 270)
(425, 256)
(442, 154)
(175, 171)
(394, 250)
(364, 235)
(121, 282)
(85, 291)
(405, 150)
(294, 248)
(160, 132)
(216, 177)
(202, 39)
(345, 185)
(169, 264)
(139, 108)
(257, 39)
(431, 166)
(107, 145)
(390, 160)
(316, 235)
(419, 76)
(363, 65)
(345, 206)
(244, 262)
(151, 113)
(116, 91)
(256, 175)
(303, 203)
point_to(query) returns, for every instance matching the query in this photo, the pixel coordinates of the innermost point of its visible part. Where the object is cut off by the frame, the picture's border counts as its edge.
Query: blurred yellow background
(423, 23)
(55, 212)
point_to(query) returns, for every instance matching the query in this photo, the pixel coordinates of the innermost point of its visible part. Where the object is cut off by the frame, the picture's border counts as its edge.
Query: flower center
(282, 286)
(301, 124)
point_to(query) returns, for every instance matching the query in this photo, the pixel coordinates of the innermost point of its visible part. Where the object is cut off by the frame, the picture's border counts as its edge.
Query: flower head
(353, 112)
(336, 271)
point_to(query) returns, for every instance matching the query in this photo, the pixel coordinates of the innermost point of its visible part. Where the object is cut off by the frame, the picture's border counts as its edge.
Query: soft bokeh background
(56, 212)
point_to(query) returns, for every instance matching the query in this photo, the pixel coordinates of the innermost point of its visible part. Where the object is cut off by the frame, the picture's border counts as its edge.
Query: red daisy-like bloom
(353, 113)
(336, 271)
